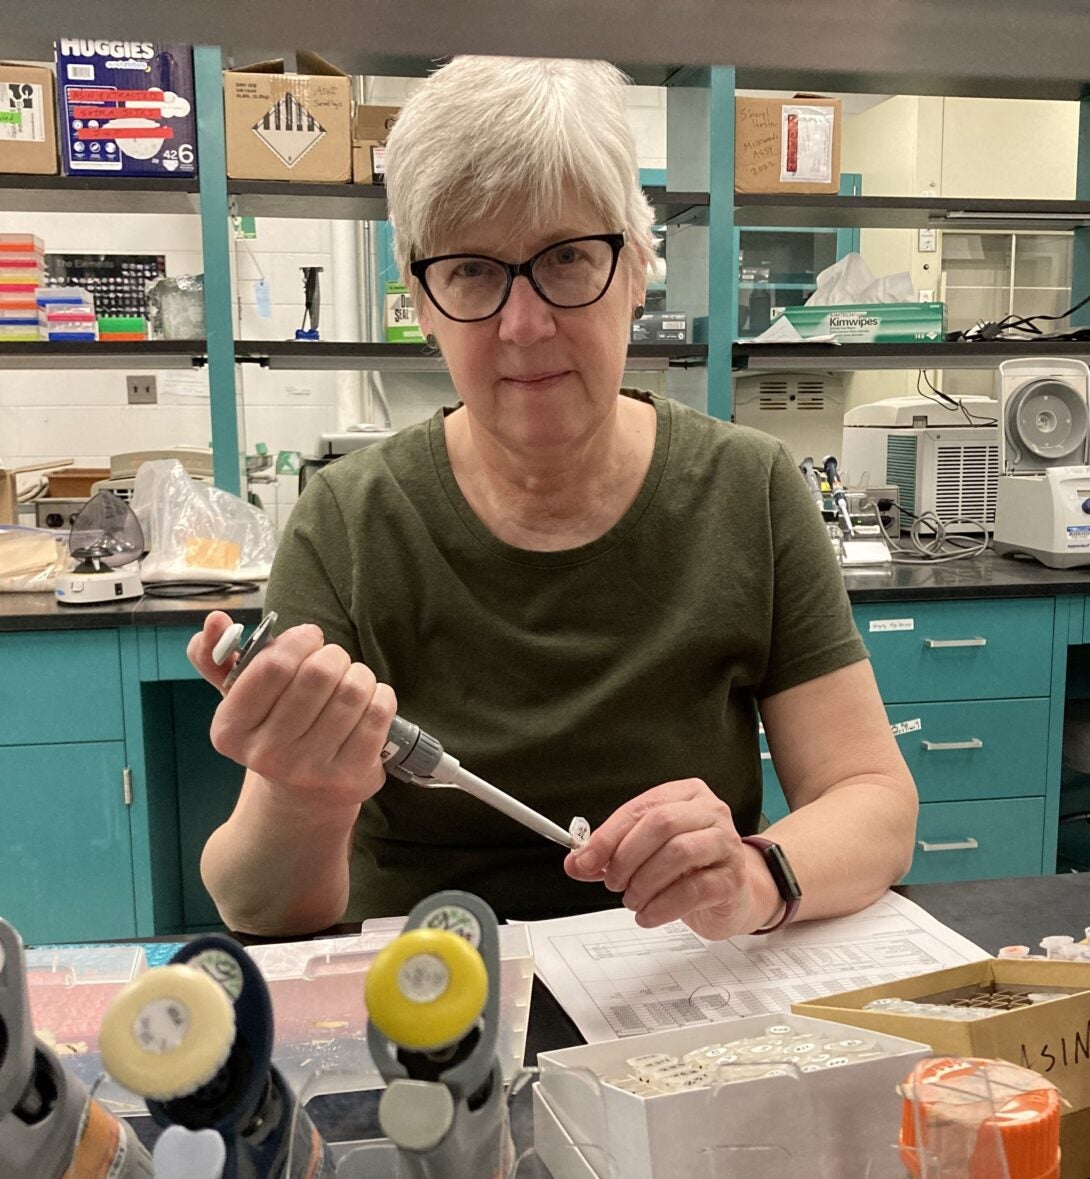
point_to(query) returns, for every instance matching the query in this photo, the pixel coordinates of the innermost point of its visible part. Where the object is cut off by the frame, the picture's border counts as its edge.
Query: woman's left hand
(675, 854)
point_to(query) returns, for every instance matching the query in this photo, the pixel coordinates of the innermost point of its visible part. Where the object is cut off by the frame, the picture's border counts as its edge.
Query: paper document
(615, 979)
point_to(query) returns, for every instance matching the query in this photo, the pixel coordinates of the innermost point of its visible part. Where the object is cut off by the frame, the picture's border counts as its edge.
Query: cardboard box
(787, 144)
(1052, 1038)
(661, 327)
(284, 126)
(871, 323)
(855, 1108)
(28, 120)
(402, 326)
(126, 108)
(9, 490)
(370, 127)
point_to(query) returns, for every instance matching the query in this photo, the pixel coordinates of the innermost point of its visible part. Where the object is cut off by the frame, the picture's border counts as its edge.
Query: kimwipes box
(28, 120)
(771, 1121)
(370, 126)
(787, 144)
(289, 126)
(1051, 1038)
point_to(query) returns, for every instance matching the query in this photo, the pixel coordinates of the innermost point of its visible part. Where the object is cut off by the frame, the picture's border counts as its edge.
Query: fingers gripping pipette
(837, 488)
(415, 756)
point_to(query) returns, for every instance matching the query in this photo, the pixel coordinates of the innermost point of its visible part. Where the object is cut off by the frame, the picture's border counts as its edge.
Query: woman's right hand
(302, 714)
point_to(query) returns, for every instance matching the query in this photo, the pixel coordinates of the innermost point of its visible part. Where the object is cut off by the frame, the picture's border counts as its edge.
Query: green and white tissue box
(871, 323)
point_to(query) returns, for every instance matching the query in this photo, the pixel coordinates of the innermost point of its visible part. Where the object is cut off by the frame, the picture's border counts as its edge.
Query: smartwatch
(776, 861)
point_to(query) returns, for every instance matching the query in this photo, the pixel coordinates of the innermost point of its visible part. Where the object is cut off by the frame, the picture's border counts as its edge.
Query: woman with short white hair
(587, 593)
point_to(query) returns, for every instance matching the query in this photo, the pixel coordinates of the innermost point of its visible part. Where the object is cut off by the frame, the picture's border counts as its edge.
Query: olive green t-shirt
(574, 680)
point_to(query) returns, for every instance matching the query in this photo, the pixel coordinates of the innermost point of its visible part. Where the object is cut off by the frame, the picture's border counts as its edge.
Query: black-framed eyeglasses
(575, 272)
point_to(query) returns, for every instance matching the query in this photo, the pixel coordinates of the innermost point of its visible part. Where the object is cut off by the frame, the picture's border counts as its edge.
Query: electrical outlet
(141, 390)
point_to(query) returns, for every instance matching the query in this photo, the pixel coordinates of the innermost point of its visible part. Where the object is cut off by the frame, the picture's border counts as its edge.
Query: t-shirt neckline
(558, 557)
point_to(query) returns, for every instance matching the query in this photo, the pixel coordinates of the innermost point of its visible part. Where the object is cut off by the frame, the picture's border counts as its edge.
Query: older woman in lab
(589, 594)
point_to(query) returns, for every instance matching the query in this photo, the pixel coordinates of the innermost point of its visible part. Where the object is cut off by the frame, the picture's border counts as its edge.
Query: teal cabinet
(65, 852)
(968, 689)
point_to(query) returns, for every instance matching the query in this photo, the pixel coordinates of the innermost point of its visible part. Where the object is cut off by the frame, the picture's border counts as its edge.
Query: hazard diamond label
(289, 130)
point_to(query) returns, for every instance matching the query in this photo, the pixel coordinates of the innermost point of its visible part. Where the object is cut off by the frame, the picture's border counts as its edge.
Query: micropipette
(837, 488)
(415, 756)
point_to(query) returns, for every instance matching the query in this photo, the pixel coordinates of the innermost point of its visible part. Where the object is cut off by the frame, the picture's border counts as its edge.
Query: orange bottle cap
(978, 1113)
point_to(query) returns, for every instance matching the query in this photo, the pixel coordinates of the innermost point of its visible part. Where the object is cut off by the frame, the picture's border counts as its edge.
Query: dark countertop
(987, 576)
(41, 611)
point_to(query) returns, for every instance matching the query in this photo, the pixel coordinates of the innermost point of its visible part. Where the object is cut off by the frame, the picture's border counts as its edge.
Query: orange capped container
(979, 1119)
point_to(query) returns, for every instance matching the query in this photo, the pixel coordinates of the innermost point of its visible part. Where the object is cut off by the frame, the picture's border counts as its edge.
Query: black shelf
(879, 212)
(334, 355)
(333, 202)
(69, 354)
(97, 194)
(859, 357)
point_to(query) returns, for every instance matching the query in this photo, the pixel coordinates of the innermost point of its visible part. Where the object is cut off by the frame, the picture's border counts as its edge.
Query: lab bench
(109, 785)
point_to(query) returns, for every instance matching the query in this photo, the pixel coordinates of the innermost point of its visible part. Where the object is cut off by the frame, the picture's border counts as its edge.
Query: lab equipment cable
(941, 547)
(947, 401)
(198, 589)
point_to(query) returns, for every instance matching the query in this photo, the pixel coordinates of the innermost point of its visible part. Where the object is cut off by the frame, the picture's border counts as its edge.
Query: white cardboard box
(833, 1123)
(554, 1145)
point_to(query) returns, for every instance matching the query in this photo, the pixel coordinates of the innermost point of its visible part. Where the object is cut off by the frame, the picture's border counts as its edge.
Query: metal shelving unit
(98, 194)
(125, 354)
(329, 354)
(849, 357)
(880, 212)
(367, 202)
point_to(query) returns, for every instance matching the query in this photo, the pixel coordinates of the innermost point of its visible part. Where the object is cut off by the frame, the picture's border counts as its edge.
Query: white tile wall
(85, 415)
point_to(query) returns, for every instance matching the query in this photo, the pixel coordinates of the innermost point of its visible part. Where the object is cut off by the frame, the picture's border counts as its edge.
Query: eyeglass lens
(569, 274)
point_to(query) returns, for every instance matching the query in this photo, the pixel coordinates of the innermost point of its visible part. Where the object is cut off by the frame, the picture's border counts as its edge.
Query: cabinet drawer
(60, 686)
(975, 748)
(978, 840)
(970, 650)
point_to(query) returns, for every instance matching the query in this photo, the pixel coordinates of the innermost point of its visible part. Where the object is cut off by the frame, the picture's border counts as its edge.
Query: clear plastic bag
(31, 559)
(194, 531)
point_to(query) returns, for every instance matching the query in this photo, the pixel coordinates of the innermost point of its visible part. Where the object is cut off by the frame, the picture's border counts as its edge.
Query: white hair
(483, 134)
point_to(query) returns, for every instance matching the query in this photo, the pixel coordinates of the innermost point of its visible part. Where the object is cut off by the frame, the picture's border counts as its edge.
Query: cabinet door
(60, 686)
(65, 853)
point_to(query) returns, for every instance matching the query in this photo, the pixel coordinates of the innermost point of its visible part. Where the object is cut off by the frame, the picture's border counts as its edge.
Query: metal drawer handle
(977, 642)
(967, 844)
(972, 743)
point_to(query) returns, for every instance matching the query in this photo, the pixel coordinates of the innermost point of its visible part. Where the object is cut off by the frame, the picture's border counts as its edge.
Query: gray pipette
(413, 755)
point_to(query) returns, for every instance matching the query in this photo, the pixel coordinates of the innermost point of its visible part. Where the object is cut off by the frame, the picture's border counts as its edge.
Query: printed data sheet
(615, 979)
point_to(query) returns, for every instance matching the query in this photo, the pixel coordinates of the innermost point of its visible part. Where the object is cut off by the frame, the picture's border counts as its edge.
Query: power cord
(1026, 324)
(949, 402)
(940, 548)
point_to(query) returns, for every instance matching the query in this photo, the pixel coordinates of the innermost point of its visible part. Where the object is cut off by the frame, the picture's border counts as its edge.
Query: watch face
(782, 872)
